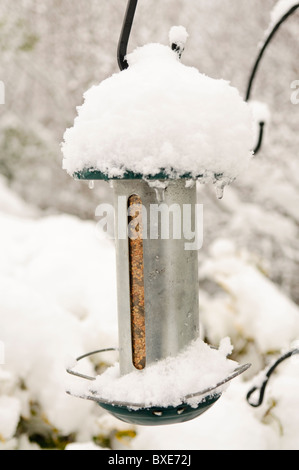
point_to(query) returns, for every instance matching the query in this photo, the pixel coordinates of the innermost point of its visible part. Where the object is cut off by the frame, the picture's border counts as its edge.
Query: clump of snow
(260, 111)
(83, 446)
(280, 9)
(193, 370)
(178, 35)
(11, 204)
(226, 348)
(160, 115)
(10, 412)
(52, 301)
(259, 309)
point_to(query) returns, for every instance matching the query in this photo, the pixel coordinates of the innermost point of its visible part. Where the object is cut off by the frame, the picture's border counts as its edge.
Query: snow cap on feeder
(148, 128)
(160, 119)
(177, 39)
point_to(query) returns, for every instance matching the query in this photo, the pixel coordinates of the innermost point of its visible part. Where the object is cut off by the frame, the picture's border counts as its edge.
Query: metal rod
(262, 388)
(125, 34)
(84, 376)
(256, 66)
(263, 49)
(260, 138)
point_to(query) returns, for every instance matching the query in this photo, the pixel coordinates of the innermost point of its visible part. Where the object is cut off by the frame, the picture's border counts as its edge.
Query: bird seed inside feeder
(136, 267)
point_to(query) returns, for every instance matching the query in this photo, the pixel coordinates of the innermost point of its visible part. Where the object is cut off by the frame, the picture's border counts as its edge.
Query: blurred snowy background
(57, 294)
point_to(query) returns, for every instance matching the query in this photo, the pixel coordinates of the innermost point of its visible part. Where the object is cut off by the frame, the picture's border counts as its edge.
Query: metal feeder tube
(157, 279)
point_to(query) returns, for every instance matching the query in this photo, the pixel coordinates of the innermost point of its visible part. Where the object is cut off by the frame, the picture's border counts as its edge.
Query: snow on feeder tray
(154, 129)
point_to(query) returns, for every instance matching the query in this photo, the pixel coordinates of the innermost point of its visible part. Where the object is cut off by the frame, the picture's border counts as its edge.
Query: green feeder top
(91, 174)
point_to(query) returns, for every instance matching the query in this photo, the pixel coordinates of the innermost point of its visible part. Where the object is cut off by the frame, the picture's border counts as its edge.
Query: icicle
(159, 187)
(220, 184)
(160, 194)
(91, 184)
(190, 183)
(220, 189)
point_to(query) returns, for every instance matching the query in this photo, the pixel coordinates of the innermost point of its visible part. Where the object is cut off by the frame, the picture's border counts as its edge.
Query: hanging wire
(256, 66)
(262, 388)
(125, 34)
(83, 376)
(263, 49)
(260, 139)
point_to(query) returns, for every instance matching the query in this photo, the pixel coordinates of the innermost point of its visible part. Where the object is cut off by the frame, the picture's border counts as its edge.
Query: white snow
(280, 9)
(193, 370)
(83, 446)
(260, 111)
(160, 115)
(57, 292)
(226, 426)
(50, 278)
(178, 35)
(11, 204)
(9, 412)
(259, 309)
(58, 301)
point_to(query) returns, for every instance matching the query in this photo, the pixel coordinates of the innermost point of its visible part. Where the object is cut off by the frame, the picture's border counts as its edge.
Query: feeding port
(157, 276)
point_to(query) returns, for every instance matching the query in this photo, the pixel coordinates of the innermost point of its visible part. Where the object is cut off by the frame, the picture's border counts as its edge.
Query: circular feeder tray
(154, 416)
(141, 414)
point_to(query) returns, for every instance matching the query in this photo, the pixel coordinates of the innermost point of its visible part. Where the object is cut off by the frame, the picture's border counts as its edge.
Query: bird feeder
(157, 268)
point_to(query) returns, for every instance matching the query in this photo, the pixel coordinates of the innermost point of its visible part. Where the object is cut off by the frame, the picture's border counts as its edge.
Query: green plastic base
(160, 416)
(91, 174)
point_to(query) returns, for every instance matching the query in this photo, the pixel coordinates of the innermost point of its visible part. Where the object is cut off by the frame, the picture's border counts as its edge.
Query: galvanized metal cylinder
(157, 275)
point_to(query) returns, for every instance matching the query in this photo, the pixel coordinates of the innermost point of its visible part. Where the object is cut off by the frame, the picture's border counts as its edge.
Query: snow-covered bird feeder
(154, 129)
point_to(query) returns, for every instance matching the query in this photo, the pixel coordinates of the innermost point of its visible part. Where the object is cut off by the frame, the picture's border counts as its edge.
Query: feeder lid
(159, 119)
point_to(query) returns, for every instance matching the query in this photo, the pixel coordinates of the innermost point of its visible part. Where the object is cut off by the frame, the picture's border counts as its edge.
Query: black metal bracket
(257, 63)
(125, 34)
(262, 388)
(265, 46)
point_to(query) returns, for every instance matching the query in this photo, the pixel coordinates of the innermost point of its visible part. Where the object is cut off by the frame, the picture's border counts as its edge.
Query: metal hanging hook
(257, 63)
(125, 34)
(262, 388)
(265, 46)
